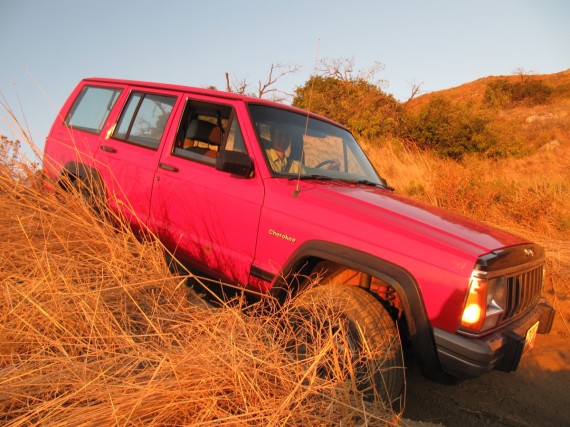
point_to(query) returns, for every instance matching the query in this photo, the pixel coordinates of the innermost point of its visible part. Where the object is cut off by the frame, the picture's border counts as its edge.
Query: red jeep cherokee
(268, 196)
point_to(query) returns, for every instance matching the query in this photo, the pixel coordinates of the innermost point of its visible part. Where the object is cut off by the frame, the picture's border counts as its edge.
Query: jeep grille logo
(529, 253)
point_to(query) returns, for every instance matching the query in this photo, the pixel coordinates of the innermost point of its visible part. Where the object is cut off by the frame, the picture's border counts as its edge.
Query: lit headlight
(484, 304)
(475, 304)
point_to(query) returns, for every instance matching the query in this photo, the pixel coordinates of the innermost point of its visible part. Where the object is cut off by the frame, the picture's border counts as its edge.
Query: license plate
(530, 337)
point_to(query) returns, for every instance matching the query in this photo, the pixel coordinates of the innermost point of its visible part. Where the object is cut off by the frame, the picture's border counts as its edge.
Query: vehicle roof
(211, 92)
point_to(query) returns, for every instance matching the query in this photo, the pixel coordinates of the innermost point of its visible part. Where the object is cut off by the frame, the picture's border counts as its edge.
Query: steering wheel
(325, 163)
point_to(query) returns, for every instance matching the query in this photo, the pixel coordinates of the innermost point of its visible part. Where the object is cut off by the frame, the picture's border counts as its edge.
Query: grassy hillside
(525, 125)
(475, 91)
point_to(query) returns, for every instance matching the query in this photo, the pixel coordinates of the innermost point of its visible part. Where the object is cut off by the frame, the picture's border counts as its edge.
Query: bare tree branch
(276, 72)
(228, 85)
(415, 90)
(236, 85)
(522, 73)
(369, 74)
(343, 69)
(339, 68)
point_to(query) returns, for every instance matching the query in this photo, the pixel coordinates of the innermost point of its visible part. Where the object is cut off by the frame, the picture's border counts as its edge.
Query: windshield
(315, 148)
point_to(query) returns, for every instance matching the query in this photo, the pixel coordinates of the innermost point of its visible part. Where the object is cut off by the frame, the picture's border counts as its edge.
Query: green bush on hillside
(498, 94)
(453, 130)
(502, 93)
(356, 103)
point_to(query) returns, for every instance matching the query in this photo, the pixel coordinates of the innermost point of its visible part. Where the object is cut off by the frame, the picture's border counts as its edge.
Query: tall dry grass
(95, 330)
(528, 196)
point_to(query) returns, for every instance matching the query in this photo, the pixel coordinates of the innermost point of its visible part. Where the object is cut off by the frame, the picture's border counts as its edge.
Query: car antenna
(297, 187)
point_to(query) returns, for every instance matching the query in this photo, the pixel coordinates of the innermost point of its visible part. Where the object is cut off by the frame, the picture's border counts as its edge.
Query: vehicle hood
(418, 221)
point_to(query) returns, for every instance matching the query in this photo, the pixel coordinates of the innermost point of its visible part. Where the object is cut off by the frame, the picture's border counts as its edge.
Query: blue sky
(48, 46)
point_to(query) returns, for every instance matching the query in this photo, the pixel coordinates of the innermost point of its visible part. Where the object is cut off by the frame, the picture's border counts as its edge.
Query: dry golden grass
(529, 197)
(95, 330)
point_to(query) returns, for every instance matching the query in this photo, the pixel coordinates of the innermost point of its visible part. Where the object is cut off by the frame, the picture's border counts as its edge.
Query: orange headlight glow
(475, 306)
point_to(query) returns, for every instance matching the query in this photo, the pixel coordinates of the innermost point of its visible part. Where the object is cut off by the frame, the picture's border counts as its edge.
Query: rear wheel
(352, 338)
(87, 190)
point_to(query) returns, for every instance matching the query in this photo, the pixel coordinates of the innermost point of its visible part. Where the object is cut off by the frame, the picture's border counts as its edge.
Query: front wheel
(353, 338)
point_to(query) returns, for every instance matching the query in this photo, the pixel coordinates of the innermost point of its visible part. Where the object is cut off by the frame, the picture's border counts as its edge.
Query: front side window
(299, 145)
(205, 130)
(91, 108)
(144, 119)
(235, 138)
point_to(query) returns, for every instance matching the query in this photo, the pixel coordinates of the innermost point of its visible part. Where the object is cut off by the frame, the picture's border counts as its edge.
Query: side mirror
(235, 162)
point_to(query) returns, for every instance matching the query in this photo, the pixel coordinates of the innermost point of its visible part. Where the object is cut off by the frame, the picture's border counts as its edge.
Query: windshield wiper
(367, 182)
(359, 182)
(382, 184)
(314, 176)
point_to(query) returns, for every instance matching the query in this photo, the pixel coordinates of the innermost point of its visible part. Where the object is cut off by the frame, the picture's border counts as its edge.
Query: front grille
(523, 292)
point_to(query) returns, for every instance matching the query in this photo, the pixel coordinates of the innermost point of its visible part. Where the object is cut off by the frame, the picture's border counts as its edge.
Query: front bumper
(466, 357)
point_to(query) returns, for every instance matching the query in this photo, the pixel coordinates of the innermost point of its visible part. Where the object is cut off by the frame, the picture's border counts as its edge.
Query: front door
(209, 218)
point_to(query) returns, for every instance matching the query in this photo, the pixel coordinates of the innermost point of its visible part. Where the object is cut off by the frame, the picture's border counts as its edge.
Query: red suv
(270, 197)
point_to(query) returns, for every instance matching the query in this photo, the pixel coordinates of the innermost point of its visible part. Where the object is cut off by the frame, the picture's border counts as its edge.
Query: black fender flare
(84, 172)
(419, 325)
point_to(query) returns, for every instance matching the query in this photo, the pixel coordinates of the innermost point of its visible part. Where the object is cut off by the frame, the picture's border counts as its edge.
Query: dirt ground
(537, 394)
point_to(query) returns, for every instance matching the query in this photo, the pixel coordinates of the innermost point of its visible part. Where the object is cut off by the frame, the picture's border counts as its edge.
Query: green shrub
(359, 105)
(453, 130)
(498, 94)
(531, 92)
(502, 93)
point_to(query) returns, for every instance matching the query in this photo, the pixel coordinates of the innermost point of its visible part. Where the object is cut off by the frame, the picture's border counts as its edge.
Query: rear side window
(144, 118)
(91, 108)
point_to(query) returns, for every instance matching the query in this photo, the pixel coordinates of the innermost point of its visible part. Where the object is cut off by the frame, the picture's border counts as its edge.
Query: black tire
(88, 192)
(366, 346)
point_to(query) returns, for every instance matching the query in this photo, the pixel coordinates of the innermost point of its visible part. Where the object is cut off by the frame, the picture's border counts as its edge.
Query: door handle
(167, 167)
(108, 149)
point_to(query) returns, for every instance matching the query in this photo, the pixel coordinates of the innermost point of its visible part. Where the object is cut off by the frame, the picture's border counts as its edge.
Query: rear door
(76, 133)
(130, 152)
(209, 218)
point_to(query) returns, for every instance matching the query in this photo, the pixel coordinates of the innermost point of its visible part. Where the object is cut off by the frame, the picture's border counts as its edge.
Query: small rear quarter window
(91, 108)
